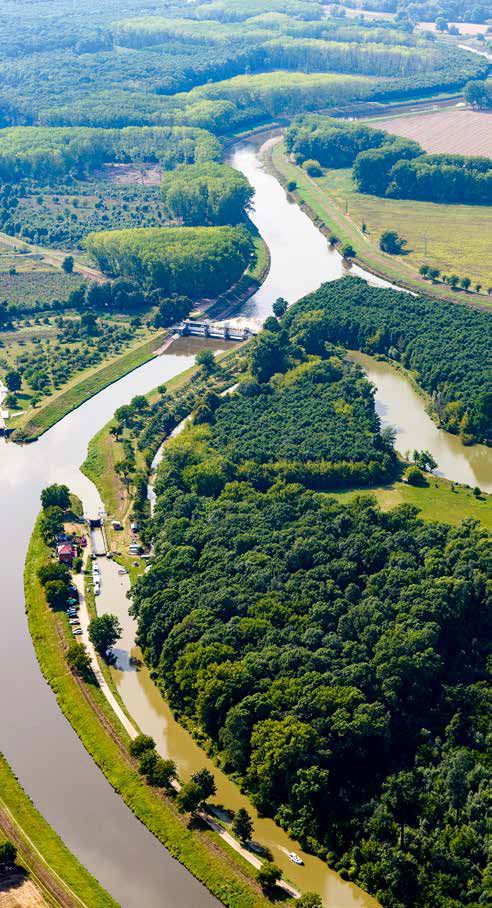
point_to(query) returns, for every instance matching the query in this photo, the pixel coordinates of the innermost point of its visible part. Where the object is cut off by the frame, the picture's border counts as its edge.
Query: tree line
(390, 166)
(48, 153)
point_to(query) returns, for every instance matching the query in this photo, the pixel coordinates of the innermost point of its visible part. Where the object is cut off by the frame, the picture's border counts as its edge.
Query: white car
(122, 570)
(77, 631)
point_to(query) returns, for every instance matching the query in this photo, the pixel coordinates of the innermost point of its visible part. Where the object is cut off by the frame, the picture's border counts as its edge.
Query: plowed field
(455, 131)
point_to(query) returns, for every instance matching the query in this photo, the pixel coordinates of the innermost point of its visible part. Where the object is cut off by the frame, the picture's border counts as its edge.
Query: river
(38, 742)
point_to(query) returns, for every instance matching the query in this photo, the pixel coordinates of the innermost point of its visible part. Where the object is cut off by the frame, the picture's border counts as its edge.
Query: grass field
(41, 851)
(455, 131)
(458, 236)
(439, 500)
(228, 876)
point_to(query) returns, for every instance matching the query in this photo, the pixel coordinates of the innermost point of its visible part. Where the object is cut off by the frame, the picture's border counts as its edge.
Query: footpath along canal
(39, 744)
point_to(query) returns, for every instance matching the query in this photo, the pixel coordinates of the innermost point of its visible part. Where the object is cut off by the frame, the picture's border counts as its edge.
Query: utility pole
(425, 244)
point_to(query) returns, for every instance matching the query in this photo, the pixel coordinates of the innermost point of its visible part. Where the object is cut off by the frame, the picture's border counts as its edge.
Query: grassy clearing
(33, 834)
(439, 500)
(457, 235)
(228, 877)
(35, 423)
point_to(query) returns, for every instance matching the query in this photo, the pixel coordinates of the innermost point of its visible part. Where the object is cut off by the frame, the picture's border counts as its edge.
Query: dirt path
(53, 257)
(43, 877)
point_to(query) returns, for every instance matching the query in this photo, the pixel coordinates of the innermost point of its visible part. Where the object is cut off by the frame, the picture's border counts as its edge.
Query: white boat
(294, 857)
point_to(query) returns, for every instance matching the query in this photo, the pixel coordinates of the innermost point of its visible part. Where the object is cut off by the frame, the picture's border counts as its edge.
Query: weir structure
(207, 328)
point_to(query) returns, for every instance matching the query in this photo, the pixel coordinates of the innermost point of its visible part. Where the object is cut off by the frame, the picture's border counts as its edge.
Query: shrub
(312, 168)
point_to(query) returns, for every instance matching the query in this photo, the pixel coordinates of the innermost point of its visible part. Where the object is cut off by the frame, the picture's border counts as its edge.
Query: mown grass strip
(38, 835)
(46, 417)
(227, 876)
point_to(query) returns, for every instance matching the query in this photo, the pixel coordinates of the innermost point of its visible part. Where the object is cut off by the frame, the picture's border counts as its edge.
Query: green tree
(270, 355)
(424, 460)
(313, 168)
(205, 782)
(465, 283)
(242, 825)
(348, 251)
(280, 307)
(164, 773)
(206, 360)
(8, 854)
(57, 594)
(391, 242)
(189, 798)
(414, 476)
(147, 764)
(55, 496)
(53, 570)
(104, 631)
(309, 900)
(51, 524)
(13, 380)
(268, 875)
(79, 661)
(67, 264)
(140, 744)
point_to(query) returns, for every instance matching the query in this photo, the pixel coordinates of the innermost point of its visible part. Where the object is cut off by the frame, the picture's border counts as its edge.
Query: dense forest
(46, 154)
(429, 10)
(334, 654)
(201, 194)
(388, 165)
(142, 68)
(196, 261)
(446, 347)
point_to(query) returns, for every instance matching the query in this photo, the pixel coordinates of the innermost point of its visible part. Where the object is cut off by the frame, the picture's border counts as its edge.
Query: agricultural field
(52, 353)
(453, 131)
(35, 283)
(452, 238)
(61, 216)
(470, 29)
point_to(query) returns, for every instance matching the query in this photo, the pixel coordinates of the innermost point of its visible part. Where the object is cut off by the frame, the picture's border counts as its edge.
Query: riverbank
(36, 423)
(49, 863)
(326, 211)
(199, 849)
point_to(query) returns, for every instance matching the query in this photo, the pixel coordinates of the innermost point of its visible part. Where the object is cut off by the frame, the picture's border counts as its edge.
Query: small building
(65, 552)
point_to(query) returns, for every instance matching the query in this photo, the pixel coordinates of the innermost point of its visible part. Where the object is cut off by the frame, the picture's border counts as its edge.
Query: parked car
(77, 631)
